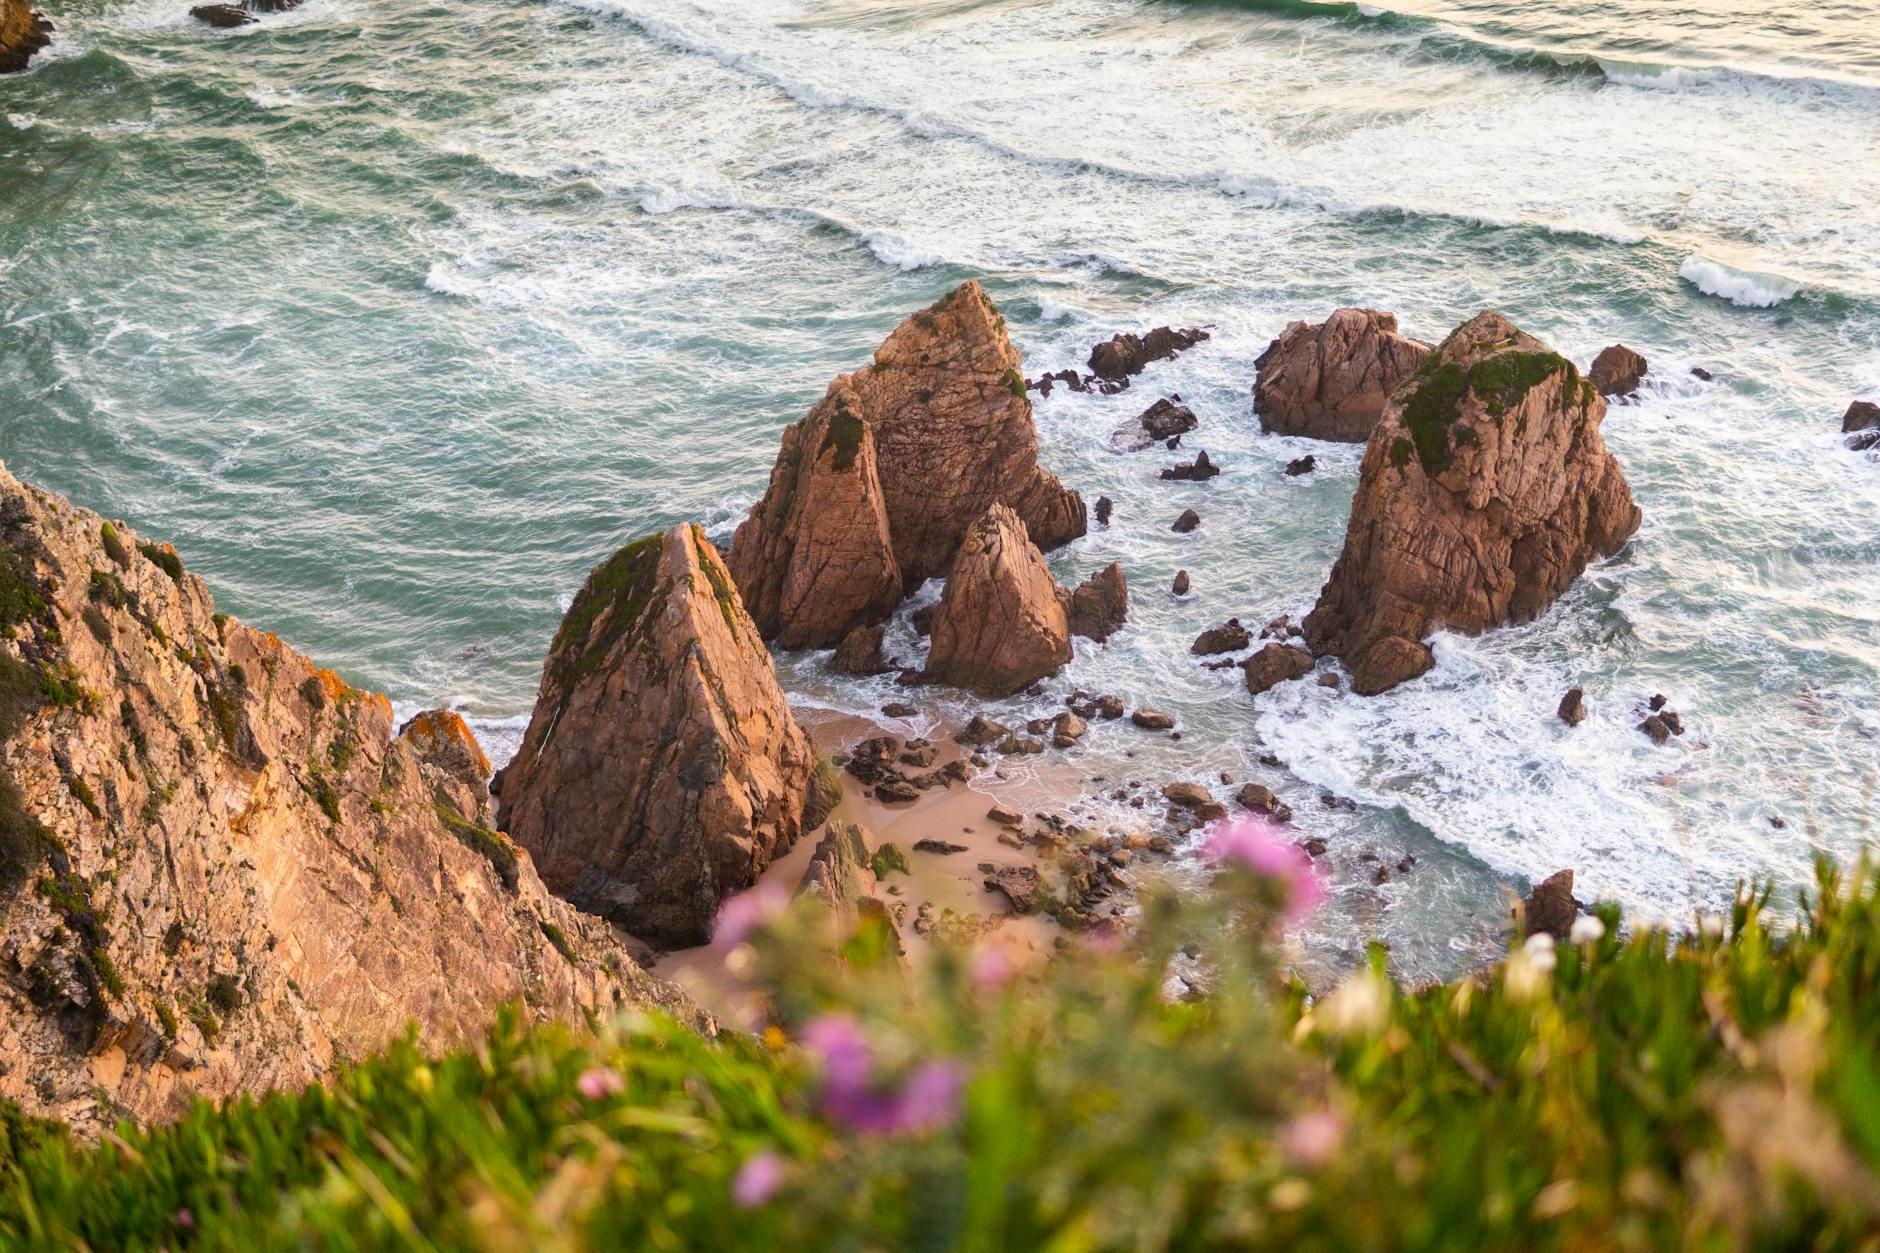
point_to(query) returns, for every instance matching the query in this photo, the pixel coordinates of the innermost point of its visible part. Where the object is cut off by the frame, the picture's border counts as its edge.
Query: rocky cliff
(22, 33)
(1485, 491)
(1331, 380)
(919, 444)
(219, 870)
(662, 770)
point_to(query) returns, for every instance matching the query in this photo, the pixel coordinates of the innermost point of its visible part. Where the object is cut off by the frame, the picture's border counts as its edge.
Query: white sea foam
(1740, 287)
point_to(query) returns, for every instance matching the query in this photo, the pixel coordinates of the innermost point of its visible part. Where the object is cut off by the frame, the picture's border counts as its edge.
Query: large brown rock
(662, 770)
(249, 878)
(1001, 624)
(22, 33)
(1485, 491)
(1550, 907)
(1617, 371)
(1331, 381)
(1100, 605)
(1121, 356)
(1861, 425)
(874, 490)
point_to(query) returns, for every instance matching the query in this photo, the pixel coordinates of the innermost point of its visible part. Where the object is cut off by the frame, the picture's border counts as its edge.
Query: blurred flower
(853, 1094)
(1524, 977)
(598, 1082)
(1710, 925)
(1539, 950)
(746, 912)
(1254, 846)
(1312, 1139)
(1587, 929)
(1358, 1006)
(757, 1180)
(185, 1219)
(991, 968)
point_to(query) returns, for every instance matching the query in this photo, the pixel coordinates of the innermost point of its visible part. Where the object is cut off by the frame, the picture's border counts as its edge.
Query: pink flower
(746, 912)
(599, 1082)
(853, 1094)
(1312, 1139)
(758, 1180)
(1252, 845)
(185, 1219)
(991, 969)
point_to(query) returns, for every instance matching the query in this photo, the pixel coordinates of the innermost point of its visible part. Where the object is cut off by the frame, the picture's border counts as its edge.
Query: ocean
(397, 318)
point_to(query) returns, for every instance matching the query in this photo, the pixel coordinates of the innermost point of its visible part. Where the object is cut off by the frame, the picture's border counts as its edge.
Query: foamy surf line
(1745, 288)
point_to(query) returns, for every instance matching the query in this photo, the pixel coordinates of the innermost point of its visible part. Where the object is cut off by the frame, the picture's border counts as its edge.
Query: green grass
(164, 559)
(495, 848)
(623, 596)
(1433, 408)
(1639, 1090)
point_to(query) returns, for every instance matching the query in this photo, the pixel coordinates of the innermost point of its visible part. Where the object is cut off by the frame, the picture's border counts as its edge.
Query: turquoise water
(397, 317)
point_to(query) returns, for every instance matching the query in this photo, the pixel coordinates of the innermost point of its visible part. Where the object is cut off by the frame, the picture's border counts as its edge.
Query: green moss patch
(1499, 383)
(620, 601)
(496, 849)
(164, 559)
(844, 434)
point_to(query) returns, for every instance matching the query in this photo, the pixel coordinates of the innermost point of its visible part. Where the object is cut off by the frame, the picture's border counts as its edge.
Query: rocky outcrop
(22, 33)
(1275, 664)
(1331, 381)
(875, 489)
(1617, 371)
(1163, 420)
(860, 653)
(1100, 605)
(662, 770)
(841, 876)
(1550, 907)
(1121, 356)
(1485, 491)
(1001, 625)
(1861, 425)
(219, 870)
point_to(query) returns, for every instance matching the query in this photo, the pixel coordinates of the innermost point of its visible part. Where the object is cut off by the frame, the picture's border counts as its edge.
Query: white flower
(1587, 929)
(1710, 925)
(1539, 951)
(1359, 1005)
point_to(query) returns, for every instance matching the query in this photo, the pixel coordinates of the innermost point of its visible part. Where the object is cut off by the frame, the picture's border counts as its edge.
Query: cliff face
(876, 488)
(22, 33)
(1485, 491)
(219, 870)
(662, 769)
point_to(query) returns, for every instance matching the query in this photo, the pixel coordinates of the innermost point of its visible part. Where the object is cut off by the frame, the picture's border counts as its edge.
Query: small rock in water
(1261, 800)
(1152, 719)
(1180, 586)
(1861, 425)
(1123, 355)
(1187, 795)
(1303, 465)
(1103, 508)
(1200, 470)
(896, 709)
(1572, 709)
(1662, 726)
(1066, 729)
(1617, 371)
(222, 16)
(1699, 372)
(1230, 637)
(1657, 702)
(1276, 664)
(1187, 522)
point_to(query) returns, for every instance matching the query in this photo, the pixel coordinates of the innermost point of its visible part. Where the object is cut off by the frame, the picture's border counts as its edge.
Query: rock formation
(1616, 371)
(1001, 625)
(1161, 421)
(662, 770)
(859, 653)
(1274, 664)
(1100, 605)
(1121, 356)
(841, 875)
(1550, 907)
(219, 871)
(1485, 491)
(22, 33)
(1331, 381)
(875, 489)
(1861, 425)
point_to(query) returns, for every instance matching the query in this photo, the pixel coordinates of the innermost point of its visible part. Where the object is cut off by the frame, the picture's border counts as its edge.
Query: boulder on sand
(873, 492)
(1001, 624)
(1485, 491)
(1331, 381)
(662, 770)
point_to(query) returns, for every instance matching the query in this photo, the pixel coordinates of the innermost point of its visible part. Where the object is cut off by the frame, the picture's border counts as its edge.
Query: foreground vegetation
(1713, 1090)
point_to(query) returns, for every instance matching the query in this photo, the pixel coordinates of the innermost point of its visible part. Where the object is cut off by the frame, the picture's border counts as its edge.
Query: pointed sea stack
(1002, 622)
(874, 490)
(1485, 491)
(220, 872)
(662, 770)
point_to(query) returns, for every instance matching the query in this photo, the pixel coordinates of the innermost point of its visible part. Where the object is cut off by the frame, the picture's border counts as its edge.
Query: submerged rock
(1572, 709)
(1230, 637)
(1200, 470)
(1617, 370)
(1484, 492)
(662, 770)
(1301, 465)
(223, 16)
(1331, 381)
(1163, 420)
(1861, 425)
(252, 877)
(1001, 624)
(873, 492)
(1103, 508)
(1100, 605)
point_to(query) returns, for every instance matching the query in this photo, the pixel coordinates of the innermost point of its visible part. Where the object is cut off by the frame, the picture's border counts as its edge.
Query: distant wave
(1746, 288)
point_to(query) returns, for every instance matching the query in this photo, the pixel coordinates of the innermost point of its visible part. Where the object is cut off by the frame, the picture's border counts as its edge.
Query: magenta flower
(185, 1219)
(991, 969)
(746, 912)
(599, 1082)
(1252, 845)
(757, 1180)
(854, 1095)
(1313, 1138)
